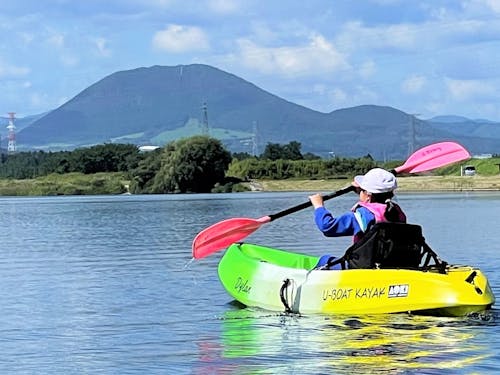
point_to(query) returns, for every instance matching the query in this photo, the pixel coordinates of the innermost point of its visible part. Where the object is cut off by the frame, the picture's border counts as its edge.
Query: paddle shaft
(326, 197)
(301, 206)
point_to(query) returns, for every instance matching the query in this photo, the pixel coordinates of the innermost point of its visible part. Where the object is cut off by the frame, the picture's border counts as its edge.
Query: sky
(427, 58)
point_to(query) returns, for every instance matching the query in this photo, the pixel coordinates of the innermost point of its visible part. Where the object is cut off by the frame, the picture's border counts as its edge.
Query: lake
(106, 284)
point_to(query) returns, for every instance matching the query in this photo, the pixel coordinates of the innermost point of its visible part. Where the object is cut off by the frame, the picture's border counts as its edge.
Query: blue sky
(430, 57)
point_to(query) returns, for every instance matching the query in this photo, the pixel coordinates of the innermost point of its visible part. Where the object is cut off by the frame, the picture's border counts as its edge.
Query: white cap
(376, 181)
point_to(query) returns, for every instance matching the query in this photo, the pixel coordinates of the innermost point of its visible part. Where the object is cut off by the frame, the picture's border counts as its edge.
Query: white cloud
(159, 3)
(413, 84)
(386, 2)
(26, 37)
(102, 47)
(194, 6)
(355, 35)
(318, 56)
(223, 6)
(262, 32)
(468, 89)
(69, 60)
(367, 69)
(338, 95)
(56, 40)
(12, 71)
(178, 39)
(431, 37)
(494, 5)
(319, 89)
(478, 5)
(364, 95)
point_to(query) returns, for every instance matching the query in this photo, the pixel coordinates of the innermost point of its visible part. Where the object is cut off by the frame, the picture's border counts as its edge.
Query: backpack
(390, 245)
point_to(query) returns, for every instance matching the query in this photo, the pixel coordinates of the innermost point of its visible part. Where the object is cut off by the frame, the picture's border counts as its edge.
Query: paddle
(222, 234)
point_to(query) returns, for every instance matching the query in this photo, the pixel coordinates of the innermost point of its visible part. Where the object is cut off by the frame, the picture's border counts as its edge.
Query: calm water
(105, 285)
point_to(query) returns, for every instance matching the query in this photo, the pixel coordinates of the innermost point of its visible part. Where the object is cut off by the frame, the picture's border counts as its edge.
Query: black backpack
(390, 245)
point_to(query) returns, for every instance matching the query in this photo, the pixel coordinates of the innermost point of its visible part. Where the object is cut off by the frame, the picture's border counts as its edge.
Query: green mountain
(152, 106)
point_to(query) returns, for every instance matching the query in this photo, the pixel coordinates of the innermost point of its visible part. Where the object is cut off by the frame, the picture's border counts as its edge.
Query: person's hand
(316, 200)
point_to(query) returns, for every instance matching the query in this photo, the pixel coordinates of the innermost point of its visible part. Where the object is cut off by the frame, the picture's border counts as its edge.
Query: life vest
(378, 210)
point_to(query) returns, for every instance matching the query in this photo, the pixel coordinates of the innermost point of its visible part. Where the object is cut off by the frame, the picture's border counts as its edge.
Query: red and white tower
(11, 148)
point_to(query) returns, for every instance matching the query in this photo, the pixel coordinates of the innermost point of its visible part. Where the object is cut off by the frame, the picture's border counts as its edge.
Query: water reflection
(254, 341)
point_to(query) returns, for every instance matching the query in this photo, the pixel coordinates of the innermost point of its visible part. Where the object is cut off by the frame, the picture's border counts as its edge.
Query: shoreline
(405, 184)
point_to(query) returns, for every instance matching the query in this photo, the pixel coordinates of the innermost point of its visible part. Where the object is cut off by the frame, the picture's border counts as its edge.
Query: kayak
(279, 280)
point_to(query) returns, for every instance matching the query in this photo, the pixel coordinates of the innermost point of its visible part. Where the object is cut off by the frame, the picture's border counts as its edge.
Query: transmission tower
(255, 139)
(205, 129)
(11, 148)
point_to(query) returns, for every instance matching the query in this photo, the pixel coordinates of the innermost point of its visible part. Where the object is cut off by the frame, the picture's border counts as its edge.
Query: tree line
(197, 164)
(99, 158)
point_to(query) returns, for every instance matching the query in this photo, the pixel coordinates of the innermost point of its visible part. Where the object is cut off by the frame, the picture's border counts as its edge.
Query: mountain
(459, 119)
(158, 104)
(471, 128)
(449, 119)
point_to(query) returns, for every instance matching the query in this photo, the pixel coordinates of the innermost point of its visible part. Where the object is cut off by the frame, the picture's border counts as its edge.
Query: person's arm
(343, 225)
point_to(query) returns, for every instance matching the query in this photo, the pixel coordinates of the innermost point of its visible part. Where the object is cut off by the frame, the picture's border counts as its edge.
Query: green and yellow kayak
(279, 280)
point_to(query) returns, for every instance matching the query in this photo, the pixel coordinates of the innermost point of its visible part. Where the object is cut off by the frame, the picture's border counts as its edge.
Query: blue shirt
(344, 225)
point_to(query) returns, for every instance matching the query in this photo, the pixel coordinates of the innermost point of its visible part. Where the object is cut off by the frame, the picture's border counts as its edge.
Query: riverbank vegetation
(201, 164)
(74, 183)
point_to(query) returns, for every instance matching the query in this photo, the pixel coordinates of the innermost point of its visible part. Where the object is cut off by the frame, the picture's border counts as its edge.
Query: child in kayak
(376, 190)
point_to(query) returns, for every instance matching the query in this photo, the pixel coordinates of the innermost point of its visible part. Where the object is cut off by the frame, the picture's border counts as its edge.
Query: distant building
(482, 156)
(148, 148)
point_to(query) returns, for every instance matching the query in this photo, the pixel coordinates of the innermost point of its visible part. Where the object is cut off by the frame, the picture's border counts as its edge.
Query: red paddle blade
(434, 156)
(224, 233)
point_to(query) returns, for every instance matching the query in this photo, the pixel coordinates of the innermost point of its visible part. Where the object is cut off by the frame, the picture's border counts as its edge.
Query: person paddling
(376, 190)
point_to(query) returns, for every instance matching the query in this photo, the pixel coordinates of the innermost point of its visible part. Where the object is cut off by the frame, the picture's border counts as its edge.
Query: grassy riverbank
(66, 184)
(445, 179)
(115, 183)
(406, 184)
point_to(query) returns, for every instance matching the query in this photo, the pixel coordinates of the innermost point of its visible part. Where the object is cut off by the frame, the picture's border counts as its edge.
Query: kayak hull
(278, 280)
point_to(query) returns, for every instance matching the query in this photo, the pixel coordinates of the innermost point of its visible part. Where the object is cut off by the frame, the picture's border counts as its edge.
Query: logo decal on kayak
(242, 286)
(400, 290)
(338, 294)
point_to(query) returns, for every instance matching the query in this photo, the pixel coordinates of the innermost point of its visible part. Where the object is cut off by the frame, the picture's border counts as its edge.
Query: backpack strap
(429, 255)
(332, 262)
